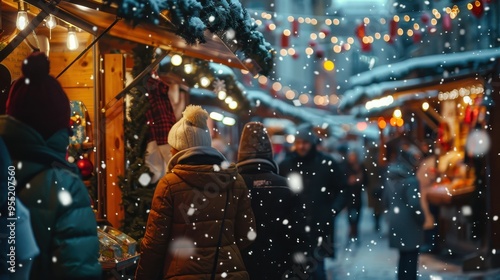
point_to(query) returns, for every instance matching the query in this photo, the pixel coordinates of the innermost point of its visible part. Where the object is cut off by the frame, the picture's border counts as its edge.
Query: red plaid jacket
(160, 115)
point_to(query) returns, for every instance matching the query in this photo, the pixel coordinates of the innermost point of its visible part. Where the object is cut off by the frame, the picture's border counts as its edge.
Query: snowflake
(219, 85)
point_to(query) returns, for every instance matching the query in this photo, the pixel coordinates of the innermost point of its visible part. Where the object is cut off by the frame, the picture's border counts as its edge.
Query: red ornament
(312, 43)
(320, 52)
(477, 8)
(417, 36)
(360, 31)
(86, 167)
(325, 30)
(295, 28)
(425, 18)
(447, 22)
(285, 41)
(295, 55)
(393, 30)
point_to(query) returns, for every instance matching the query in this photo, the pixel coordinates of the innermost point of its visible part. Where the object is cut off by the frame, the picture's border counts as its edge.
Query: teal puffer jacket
(63, 222)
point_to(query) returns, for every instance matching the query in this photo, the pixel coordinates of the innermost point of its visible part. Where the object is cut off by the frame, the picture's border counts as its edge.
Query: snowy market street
(374, 260)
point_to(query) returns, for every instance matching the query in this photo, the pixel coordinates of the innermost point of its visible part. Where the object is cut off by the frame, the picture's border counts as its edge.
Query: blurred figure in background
(374, 183)
(321, 184)
(356, 178)
(402, 195)
(274, 205)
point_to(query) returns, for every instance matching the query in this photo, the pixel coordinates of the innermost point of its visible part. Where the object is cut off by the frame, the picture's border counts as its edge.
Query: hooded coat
(63, 222)
(405, 215)
(185, 220)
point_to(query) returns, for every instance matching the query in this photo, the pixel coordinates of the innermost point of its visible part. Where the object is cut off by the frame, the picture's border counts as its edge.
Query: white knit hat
(191, 130)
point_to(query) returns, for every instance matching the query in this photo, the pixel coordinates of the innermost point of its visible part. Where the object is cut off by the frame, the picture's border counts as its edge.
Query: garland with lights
(192, 18)
(136, 198)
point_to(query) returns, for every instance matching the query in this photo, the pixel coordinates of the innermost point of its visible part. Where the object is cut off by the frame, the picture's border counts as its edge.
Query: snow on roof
(432, 64)
(374, 83)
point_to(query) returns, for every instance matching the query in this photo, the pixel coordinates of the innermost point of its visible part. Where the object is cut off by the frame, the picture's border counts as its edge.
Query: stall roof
(93, 16)
(394, 77)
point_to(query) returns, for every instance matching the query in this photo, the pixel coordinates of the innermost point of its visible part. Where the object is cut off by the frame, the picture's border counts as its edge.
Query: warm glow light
(328, 65)
(290, 94)
(425, 106)
(222, 95)
(233, 105)
(400, 122)
(228, 121)
(337, 49)
(334, 40)
(361, 126)
(313, 36)
(277, 86)
(204, 81)
(397, 113)
(287, 32)
(350, 40)
(228, 100)
(328, 21)
(381, 123)
(22, 20)
(407, 18)
(291, 51)
(283, 52)
(176, 60)
(188, 68)
(50, 22)
(336, 21)
(216, 116)
(304, 98)
(334, 99)
(262, 80)
(376, 103)
(309, 51)
(72, 41)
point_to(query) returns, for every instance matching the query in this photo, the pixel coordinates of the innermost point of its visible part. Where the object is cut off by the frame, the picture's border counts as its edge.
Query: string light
(22, 16)
(72, 41)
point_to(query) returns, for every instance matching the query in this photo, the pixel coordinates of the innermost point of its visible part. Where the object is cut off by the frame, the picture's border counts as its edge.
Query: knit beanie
(191, 130)
(37, 99)
(255, 143)
(305, 132)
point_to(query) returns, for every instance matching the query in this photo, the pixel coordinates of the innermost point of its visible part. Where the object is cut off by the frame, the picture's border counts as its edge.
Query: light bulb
(176, 60)
(50, 22)
(72, 42)
(22, 20)
(204, 81)
(188, 68)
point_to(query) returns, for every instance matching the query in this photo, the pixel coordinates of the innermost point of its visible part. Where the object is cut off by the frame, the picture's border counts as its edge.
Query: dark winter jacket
(405, 216)
(62, 220)
(185, 220)
(275, 207)
(323, 194)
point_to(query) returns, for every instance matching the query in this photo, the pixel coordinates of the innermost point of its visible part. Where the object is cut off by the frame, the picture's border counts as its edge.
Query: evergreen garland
(136, 198)
(193, 17)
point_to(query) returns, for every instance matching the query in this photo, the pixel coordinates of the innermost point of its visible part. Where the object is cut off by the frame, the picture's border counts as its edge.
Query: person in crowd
(25, 248)
(405, 216)
(374, 184)
(356, 180)
(320, 184)
(36, 131)
(201, 216)
(426, 175)
(274, 204)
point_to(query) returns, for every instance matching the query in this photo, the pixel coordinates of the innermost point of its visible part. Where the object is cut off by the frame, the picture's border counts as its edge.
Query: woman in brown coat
(200, 195)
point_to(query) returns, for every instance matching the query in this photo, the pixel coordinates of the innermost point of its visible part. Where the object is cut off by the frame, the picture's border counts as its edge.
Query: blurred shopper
(321, 186)
(356, 180)
(374, 184)
(405, 216)
(36, 133)
(273, 204)
(201, 215)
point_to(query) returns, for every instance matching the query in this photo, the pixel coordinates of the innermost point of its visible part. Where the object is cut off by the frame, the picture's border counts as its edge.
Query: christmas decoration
(219, 85)
(295, 28)
(285, 41)
(417, 36)
(477, 8)
(86, 167)
(320, 52)
(447, 25)
(393, 31)
(361, 34)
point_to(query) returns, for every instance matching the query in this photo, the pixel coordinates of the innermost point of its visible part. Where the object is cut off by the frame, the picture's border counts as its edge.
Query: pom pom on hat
(37, 99)
(191, 130)
(255, 143)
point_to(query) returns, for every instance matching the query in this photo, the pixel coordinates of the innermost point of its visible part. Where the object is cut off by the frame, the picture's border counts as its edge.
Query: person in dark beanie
(201, 216)
(274, 204)
(320, 183)
(36, 132)
(404, 211)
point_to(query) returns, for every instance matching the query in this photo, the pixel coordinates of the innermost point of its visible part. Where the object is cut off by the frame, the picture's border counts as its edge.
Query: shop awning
(417, 73)
(93, 16)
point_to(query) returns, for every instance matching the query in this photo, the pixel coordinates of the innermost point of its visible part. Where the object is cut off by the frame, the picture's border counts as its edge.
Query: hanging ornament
(447, 25)
(86, 167)
(425, 18)
(393, 31)
(320, 52)
(361, 34)
(477, 8)
(295, 28)
(295, 56)
(270, 26)
(285, 41)
(325, 29)
(417, 36)
(312, 43)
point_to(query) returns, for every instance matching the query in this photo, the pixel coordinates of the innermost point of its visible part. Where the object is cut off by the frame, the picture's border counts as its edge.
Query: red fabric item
(160, 115)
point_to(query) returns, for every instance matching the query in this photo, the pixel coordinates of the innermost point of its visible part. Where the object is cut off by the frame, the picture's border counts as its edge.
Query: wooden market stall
(94, 71)
(455, 111)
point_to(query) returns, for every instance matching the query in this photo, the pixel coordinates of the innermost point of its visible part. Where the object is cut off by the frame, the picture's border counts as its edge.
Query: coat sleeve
(155, 243)
(245, 220)
(75, 245)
